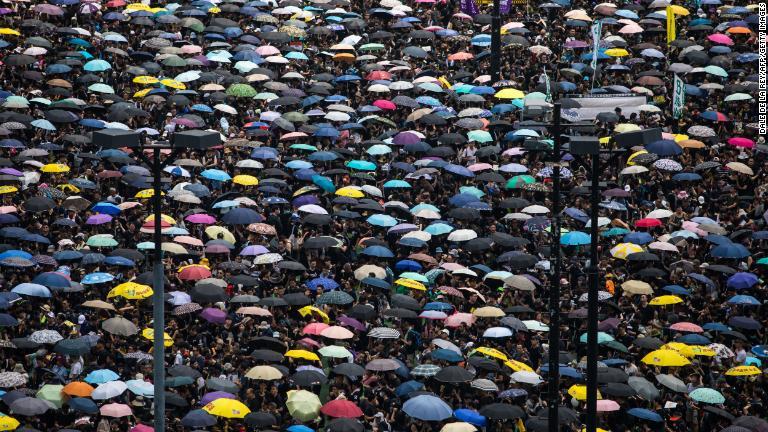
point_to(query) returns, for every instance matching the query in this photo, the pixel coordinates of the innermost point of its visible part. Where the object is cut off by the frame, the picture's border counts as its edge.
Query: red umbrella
(647, 223)
(379, 75)
(741, 142)
(194, 273)
(315, 328)
(341, 408)
(385, 104)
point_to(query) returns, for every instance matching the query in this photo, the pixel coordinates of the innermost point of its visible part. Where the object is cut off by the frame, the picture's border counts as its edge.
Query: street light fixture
(192, 139)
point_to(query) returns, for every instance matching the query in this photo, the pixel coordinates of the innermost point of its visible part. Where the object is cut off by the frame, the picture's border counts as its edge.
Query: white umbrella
(497, 332)
(444, 344)
(109, 390)
(421, 235)
(534, 325)
(372, 190)
(337, 116)
(526, 377)
(314, 209)
(663, 246)
(535, 209)
(225, 109)
(269, 258)
(601, 221)
(659, 214)
(462, 235)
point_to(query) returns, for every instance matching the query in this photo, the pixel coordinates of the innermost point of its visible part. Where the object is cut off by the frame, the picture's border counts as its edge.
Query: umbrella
(427, 408)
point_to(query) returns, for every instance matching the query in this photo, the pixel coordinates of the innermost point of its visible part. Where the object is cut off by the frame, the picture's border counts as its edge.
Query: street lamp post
(554, 286)
(496, 41)
(589, 145)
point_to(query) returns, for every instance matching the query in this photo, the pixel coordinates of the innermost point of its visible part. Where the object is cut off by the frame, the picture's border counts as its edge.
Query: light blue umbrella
(32, 290)
(575, 238)
(378, 150)
(100, 376)
(97, 66)
(324, 183)
(602, 338)
(746, 300)
(295, 55)
(361, 165)
(297, 164)
(101, 88)
(226, 204)
(438, 229)
(427, 408)
(141, 388)
(216, 174)
(382, 220)
(97, 278)
(397, 184)
(43, 124)
(423, 206)
(471, 190)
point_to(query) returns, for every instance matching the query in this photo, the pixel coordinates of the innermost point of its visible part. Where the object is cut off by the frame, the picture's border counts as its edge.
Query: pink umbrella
(337, 332)
(631, 29)
(191, 49)
(607, 405)
(217, 249)
(741, 142)
(314, 328)
(98, 219)
(480, 167)
(385, 104)
(142, 428)
(309, 343)
(201, 218)
(575, 44)
(686, 327)
(49, 9)
(459, 318)
(267, 50)
(185, 122)
(452, 266)
(116, 410)
(720, 39)
(188, 240)
(293, 135)
(694, 228)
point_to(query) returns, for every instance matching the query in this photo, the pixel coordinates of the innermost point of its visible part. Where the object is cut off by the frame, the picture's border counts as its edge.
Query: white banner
(678, 98)
(597, 30)
(592, 106)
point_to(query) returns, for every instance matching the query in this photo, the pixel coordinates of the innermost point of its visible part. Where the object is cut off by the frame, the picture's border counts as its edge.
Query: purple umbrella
(254, 250)
(304, 200)
(98, 219)
(214, 315)
(212, 396)
(404, 138)
(11, 171)
(402, 228)
(351, 322)
(201, 218)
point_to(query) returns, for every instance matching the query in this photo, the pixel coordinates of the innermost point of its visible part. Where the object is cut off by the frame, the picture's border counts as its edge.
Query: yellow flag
(670, 25)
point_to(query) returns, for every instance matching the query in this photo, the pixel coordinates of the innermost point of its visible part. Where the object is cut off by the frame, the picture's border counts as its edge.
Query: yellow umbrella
(146, 193)
(173, 84)
(689, 350)
(509, 93)
(131, 291)
(227, 408)
(679, 10)
(604, 141)
(626, 127)
(9, 31)
(66, 187)
(305, 189)
(8, 423)
(214, 10)
(214, 231)
(266, 373)
(8, 189)
(136, 7)
(350, 192)
(596, 430)
(664, 357)
(579, 392)
(636, 287)
(617, 52)
(146, 79)
(412, 284)
(245, 180)
(54, 168)
(173, 248)
(665, 300)
(518, 366)
(623, 250)
(163, 217)
(308, 310)
(490, 352)
(149, 334)
(634, 155)
(488, 312)
(681, 137)
(142, 93)
(302, 354)
(743, 371)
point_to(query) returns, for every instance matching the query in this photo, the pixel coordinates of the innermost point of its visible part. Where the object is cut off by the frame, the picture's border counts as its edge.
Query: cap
(446, 331)
(438, 250)
(81, 319)
(702, 200)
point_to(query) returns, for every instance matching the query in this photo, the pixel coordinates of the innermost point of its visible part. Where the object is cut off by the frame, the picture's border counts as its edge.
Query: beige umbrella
(458, 427)
(266, 373)
(253, 310)
(520, 283)
(99, 304)
(636, 287)
(488, 312)
(365, 271)
(337, 332)
(739, 168)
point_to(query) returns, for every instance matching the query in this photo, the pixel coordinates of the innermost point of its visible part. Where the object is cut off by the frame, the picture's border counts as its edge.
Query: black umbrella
(270, 343)
(345, 425)
(363, 312)
(260, 419)
(73, 347)
(484, 364)
(404, 301)
(297, 299)
(400, 313)
(208, 293)
(611, 375)
(349, 369)
(184, 370)
(649, 343)
(502, 411)
(176, 400)
(618, 390)
(565, 415)
(307, 378)
(454, 375)
(39, 204)
(267, 355)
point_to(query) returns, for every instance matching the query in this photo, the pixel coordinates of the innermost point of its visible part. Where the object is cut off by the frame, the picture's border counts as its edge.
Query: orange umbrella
(345, 57)
(739, 30)
(691, 143)
(459, 56)
(78, 388)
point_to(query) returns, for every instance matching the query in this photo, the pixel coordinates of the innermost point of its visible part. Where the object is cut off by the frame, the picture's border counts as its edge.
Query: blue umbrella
(639, 238)
(438, 228)
(408, 265)
(326, 132)
(300, 428)
(382, 220)
(323, 156)
(215, 174)
(97, 66)
(15, 253)
(742, 280)
(241, 216)
(664, 148)
(676, 289)
(564, 371)
(264, 153)
(701, 278)
(298, 164)
(198, 419)
(106, 208)
(438, 306)
(32, 290)
(715, 326)
(378, 251)
(470, 416)
(732, 251)
(408, 387)
(576, 214)
(427, 408)
(462, 199)
(397, 184)
(324, 183)
(746, 300)
(67, 255)
(101, 376)
(760, 350)
(119, 261)
(83, 405)
(7, 320)
(97, 278)
(645, 414)
(361, 165)
(694, 339)
(93, 258)
(575, 238)
(327, 284)
(446, 355)
(459, 170)
(377, 283)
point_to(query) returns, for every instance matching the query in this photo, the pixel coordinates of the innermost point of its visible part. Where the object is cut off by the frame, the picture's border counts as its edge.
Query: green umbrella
(707, 395)
(174, 61)
(415, 276)
(602, 338)
(101, 240)
(738, 97)
(616, 345)
(480, 136)
(716, 70)
(518, 181)
(267, 96)
(193, 23)
(101, 88)
(472, 190)
(334, 351)
(51, 393)
(302, 405)
(763, 261)
(241, 90)
(306, 147)
(295, 117)
(372, 47)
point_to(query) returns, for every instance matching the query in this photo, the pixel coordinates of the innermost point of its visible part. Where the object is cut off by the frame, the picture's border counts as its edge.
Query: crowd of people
(369, 246)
